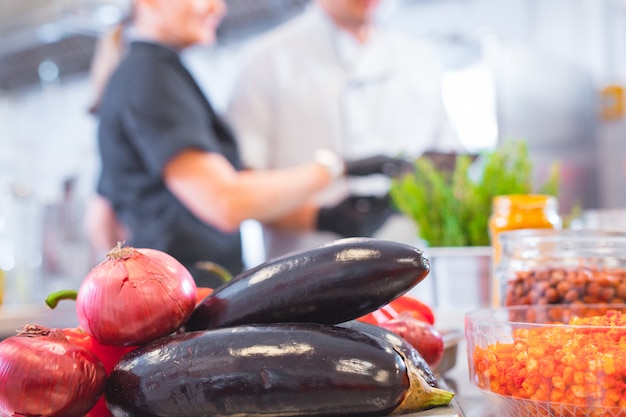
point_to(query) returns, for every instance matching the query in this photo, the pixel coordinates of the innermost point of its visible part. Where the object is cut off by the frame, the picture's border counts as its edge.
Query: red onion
(135, 296)
(43, 374)
(421, 335)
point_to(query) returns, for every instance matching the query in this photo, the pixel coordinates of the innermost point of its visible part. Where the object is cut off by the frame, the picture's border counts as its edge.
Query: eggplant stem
(420, 396)
(216, 269)
(53, 299)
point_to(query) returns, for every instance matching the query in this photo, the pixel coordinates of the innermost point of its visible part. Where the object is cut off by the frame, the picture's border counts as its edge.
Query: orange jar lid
(519, 211)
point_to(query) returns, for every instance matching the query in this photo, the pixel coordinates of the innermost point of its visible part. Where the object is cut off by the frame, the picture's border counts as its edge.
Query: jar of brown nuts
(561, 267)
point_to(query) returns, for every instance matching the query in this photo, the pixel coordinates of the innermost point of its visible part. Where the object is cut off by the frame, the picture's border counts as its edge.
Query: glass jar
(519, 211)
(522, 211)
(541, 266)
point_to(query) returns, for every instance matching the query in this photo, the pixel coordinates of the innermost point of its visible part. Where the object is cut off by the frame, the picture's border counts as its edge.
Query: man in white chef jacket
(331, 78)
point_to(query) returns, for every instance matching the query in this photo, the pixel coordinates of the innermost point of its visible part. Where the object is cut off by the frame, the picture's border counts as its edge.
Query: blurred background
(551, 73)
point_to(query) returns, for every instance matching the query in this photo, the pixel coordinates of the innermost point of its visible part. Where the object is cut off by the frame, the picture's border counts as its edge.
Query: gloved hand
(356, 216)
(379, 164)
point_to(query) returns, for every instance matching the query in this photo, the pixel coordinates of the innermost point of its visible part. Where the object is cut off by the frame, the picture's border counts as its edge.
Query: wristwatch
(331, 161)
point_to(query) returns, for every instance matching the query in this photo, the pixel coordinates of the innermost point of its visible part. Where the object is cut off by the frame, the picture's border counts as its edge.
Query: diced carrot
(583, 367)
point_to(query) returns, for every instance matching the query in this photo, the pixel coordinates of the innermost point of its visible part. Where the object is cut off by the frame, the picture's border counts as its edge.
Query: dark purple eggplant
(399, 343)
(331, 284)
(271, 370)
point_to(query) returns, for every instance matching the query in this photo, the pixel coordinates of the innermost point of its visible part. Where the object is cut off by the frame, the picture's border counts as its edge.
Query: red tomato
(404, 305)
(109, 355)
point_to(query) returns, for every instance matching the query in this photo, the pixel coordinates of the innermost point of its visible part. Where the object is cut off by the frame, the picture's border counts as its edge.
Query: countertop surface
(15, 316)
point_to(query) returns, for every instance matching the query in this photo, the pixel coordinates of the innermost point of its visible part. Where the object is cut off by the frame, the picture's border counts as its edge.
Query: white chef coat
(308, 85)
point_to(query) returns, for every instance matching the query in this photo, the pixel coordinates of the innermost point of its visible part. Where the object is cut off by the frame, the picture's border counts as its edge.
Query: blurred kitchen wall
(559, 68)
(542, 67)
(522, 69)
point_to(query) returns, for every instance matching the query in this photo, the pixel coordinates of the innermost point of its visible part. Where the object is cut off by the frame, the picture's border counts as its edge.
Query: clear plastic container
(550, 360)
(540, 267)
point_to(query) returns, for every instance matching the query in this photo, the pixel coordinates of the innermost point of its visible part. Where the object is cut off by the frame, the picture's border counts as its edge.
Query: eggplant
(271, 370)
(407, 349)
(334, 283)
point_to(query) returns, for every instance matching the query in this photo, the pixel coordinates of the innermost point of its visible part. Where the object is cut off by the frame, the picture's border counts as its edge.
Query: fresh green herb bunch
(451, 208)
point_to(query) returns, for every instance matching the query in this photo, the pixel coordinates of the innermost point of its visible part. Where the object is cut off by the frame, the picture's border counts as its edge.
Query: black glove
(356, 216)
(380, 164)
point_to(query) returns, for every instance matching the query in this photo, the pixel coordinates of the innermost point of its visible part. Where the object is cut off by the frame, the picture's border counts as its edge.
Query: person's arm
(103, 228)
(304, 217)
(208, 185)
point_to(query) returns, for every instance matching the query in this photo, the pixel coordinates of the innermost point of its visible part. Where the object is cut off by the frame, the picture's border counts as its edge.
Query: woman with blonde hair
(102, 226)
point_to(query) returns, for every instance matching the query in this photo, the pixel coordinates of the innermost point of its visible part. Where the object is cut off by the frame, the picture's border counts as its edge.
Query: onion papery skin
(132, 298)
(45, 375)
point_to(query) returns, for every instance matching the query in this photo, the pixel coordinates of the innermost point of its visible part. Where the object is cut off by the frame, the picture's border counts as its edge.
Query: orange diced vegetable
(575, 365)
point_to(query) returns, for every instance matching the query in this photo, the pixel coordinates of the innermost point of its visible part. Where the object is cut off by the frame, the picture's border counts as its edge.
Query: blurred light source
(469, 95)
(48, 71)
(49, 33)
(108, 14)
(7, 261)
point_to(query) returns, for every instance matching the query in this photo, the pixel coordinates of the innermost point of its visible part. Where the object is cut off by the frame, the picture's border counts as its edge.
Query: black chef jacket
(152, 110)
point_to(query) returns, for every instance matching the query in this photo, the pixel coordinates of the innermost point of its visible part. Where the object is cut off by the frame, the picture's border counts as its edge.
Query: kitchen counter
(14, 316)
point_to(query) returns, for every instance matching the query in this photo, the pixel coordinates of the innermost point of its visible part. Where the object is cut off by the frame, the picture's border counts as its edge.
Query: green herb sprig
(453, 208)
